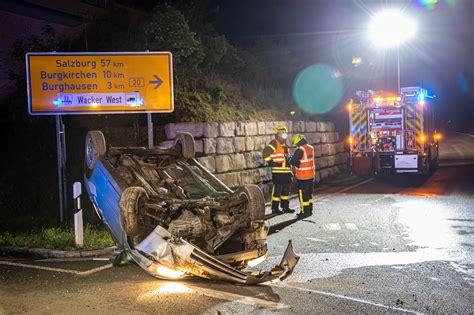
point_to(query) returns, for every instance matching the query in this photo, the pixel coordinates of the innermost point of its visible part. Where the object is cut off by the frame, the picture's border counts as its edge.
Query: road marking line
(315, 239)
(466, 134)
(348, 298)
(74, 272)
(240, 298)
(354, 186)
(94, 270)
(332, 226)
(351, 226)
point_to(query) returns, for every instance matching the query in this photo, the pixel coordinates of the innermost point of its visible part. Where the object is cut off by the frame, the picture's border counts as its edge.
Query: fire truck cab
(393, 133)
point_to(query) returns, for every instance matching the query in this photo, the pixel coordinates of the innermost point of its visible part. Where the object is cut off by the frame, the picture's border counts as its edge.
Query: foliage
(45, 42)
(58, 238)
(169, 30)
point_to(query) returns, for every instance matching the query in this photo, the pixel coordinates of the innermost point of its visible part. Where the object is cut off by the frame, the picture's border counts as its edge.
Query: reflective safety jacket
(303, 160)
(275, 153)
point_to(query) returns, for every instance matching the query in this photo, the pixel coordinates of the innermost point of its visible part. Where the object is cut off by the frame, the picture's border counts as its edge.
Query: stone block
(321, 162)
(324, 149)
(324, 173)
(298, 126)
(209, 145)
(240, 129)
(289, 125)
(225, 145)
(253, 159)
(330, 126)
(198, 146)
(313, 138)
(250, 177)
(331, 160)
(251, 129)
(323, 126)
(261, 128)
(226, 129)
(332, 137)
(210, 129)
(331, 149)
(196, 129)
(265, 174)
(340, 147)
(238, 162)
(324, 138)
(260, 143)
(329, 138)
(208, 162)
(223, 163)
(230, 179)
(249, 143)
(270, 127)
(343, 168)
(317, 150)
(310, 126)
(239, 144)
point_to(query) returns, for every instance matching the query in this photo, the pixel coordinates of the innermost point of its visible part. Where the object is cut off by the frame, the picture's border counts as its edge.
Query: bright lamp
(391, 28)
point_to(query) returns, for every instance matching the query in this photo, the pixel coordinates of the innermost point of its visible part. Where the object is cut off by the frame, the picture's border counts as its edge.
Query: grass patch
(59, 238)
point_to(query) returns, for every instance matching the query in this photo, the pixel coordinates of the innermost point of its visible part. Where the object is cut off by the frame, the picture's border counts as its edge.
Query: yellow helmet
(297, 138)
(281, 128)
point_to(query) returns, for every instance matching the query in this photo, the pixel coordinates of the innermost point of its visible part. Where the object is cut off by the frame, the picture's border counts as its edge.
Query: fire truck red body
(393, 133)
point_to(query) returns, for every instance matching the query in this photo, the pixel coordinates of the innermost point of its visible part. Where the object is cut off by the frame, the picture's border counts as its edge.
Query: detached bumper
(164, 256)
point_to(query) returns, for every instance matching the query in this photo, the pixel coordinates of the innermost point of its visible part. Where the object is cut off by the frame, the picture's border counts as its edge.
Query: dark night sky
(440, 57)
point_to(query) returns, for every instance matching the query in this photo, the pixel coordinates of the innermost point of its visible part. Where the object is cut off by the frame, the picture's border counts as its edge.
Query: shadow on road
(280, 226)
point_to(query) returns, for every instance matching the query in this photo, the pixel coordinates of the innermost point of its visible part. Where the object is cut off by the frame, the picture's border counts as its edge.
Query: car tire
(255, 201)
(130, 202)
(185, 144)
(95, 147)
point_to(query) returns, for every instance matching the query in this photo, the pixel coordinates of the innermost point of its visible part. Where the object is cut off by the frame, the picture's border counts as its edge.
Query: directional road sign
(99, 83)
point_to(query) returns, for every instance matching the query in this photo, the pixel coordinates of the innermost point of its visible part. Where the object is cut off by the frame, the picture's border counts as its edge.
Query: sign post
(97, 83)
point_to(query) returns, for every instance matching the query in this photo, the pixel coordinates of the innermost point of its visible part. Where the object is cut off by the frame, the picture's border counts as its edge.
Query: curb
(55, 253)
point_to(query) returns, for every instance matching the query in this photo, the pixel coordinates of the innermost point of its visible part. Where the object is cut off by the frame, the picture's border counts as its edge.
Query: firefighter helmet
(280, 129)
(297, 138)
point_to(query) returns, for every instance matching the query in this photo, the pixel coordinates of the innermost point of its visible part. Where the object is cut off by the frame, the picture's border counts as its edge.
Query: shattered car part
(174, 217)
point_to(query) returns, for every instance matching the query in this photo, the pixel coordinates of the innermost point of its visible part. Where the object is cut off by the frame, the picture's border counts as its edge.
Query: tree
(168, 30)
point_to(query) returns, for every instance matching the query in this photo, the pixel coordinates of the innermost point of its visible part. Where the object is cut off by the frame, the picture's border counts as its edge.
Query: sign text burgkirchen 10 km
(87, 83)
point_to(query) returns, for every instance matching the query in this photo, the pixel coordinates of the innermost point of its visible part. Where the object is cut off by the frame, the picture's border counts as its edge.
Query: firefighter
(276, 155)
(303, 163)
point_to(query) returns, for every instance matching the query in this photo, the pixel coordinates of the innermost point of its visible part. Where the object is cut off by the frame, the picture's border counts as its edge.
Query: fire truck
(393, 133)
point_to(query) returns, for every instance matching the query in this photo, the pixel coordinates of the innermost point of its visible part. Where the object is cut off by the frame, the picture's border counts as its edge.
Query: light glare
(391, 28)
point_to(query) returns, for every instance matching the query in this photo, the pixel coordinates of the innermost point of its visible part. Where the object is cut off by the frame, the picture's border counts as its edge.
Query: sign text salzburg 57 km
(87, 83)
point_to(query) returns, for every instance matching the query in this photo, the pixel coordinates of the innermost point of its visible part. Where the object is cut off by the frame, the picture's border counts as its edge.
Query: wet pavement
(399, 244)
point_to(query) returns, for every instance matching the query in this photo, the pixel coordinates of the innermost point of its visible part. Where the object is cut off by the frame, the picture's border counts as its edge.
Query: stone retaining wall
(233, 151)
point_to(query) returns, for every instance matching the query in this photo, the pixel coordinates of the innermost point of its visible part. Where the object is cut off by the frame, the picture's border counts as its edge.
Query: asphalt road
(390, 245)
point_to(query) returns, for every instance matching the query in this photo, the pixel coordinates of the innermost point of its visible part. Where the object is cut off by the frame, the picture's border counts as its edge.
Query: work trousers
(281, 190)
(305, 194)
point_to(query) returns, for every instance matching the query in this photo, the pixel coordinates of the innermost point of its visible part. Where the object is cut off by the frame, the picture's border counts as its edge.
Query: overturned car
(174, 217)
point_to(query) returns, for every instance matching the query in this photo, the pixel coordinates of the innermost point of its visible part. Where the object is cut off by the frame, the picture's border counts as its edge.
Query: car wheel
(255, 201)
(95, 147)
(185, 144)
(130, 202)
